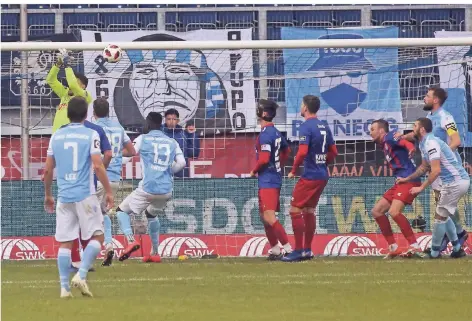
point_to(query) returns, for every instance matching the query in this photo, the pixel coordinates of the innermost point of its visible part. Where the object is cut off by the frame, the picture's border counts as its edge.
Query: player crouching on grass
(398, 153)
(440, 161)
(272, 152)
(316, 150)
(161, 157)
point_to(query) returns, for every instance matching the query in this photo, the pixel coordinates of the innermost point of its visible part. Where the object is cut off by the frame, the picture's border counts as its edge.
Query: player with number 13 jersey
(272, 151)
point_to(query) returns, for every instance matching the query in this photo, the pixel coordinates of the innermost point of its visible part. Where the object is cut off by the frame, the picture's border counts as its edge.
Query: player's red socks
(280, 232)
(84, 243)
(385, 228)
(271, 235)
(298, 225)
(405, 227)
(310, 226)
(75, 253)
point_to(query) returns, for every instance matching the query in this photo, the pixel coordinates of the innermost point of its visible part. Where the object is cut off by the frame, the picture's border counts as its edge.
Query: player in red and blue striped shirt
(316, 149)
(272, 152)
(398, 153)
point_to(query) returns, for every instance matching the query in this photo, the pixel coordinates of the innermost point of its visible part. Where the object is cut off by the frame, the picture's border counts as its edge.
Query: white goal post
(253, 44)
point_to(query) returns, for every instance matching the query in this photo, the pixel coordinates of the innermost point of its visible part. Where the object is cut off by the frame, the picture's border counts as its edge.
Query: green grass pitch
(360, 289)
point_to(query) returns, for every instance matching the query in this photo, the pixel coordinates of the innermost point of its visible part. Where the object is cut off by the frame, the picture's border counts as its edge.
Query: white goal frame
(253, 44)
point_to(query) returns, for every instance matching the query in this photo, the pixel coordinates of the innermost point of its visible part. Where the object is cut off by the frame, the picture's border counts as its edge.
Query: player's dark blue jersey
(319, 138)
(397, 156)
(270, 140)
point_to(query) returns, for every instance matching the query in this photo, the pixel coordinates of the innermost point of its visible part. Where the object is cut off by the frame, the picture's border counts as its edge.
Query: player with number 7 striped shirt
(272, 151)
(161, 157)
(316, 150)
(121, 146)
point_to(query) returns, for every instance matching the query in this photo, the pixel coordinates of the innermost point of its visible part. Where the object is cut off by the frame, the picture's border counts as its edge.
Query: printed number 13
(166, 149)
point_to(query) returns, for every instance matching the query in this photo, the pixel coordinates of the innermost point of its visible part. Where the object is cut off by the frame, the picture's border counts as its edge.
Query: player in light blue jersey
(75, 152)
(445, 128)
(161, 157)
(120, 144)
(440, 161)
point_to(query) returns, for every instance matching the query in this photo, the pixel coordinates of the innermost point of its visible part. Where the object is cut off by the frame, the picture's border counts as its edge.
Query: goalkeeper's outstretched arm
(54, 83)
(74, 86)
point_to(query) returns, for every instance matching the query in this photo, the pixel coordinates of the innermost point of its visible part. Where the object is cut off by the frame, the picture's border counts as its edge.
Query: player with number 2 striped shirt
(316, 150)
(272, 151)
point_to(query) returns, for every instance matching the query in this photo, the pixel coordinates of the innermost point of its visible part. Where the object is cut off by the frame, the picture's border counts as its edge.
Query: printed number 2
(323, 133)
(75, 154)
(277, 153)
(166, 152)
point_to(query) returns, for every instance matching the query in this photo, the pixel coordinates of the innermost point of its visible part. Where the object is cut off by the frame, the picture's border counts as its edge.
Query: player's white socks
(275, 250)
(415, 245)
(288, 248)
(393, 247)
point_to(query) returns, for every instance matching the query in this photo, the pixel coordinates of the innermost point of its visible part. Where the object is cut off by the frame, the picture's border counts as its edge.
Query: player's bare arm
(107, 156)
(129, 150)
(48, 176)
(101, 173)
(435, 170)
(409, 137)
(420, 171)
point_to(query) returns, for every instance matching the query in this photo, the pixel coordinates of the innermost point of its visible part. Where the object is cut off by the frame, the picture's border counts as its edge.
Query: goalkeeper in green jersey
(77, 83)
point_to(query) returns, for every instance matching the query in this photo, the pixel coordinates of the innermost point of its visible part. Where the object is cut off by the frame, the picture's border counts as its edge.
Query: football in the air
(112, 53)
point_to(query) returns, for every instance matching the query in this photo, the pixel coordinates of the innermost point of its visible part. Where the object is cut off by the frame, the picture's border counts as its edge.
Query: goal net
(215, 208)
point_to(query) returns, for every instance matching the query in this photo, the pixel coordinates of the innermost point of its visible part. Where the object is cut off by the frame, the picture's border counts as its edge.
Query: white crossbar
(255, 44)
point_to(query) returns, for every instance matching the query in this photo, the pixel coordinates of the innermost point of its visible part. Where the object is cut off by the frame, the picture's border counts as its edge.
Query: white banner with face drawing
(213, 89)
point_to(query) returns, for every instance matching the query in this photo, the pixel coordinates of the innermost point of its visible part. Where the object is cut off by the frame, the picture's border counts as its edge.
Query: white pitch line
(267, 277)
(54, 284)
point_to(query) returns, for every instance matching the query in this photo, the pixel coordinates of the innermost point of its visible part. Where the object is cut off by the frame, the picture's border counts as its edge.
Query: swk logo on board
(20, 249)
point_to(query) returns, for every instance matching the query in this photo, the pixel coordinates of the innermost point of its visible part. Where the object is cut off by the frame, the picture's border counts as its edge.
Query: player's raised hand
(291, 175)
(110, 201)
(49, 204)
(416, 190)
(397, 135)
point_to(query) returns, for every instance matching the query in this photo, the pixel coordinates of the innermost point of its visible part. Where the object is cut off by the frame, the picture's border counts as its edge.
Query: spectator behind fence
(186, 138)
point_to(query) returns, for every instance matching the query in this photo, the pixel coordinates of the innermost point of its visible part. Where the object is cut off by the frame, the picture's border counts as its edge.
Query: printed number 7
(323, 133)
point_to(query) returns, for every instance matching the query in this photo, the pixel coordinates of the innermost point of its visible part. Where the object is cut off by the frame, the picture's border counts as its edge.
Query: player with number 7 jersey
(121, 145)
(272, 152)
(316, 150)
